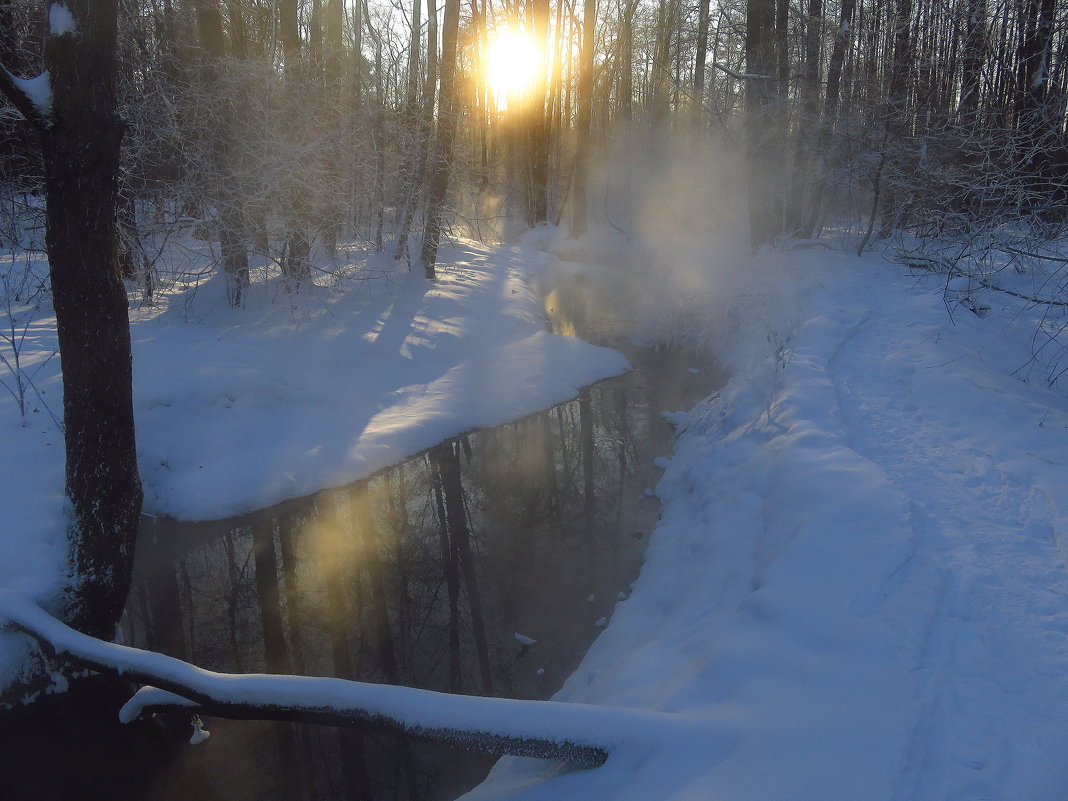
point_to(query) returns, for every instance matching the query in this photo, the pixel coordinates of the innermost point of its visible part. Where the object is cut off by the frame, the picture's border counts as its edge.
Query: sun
(512, 65)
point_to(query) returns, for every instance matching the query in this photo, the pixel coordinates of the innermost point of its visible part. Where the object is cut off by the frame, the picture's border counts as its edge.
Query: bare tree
(583, 120)
(764, 224)
(442, 157)
(226, 193)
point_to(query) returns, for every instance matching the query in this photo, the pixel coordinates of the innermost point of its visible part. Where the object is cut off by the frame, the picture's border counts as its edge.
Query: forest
(280, 127)
(282, 154)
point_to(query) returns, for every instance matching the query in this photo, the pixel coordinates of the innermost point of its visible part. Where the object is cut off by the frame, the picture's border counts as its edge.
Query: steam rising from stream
(669, 237)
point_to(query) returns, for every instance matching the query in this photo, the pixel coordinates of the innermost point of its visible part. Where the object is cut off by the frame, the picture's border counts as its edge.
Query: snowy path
(857, 585)
(984, 554)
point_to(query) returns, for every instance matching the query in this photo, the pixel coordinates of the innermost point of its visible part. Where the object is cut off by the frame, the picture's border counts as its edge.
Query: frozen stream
(486, 565)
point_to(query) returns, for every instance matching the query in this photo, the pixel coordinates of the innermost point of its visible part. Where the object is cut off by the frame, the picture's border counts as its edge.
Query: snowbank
(858, 587)
(238, 409)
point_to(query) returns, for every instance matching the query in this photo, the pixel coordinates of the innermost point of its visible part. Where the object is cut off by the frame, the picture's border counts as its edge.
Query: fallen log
(576, 733)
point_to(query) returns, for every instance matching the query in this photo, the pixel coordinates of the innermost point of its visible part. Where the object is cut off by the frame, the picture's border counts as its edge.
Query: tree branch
(1045, 257)
(576, 733)
(742, 76)
(1028, 298)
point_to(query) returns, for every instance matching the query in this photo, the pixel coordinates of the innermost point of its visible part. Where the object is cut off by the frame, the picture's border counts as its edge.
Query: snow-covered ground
(858, 588)
(237, 409)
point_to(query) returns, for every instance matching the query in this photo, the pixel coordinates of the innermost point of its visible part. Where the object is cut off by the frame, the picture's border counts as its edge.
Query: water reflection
(422, 575)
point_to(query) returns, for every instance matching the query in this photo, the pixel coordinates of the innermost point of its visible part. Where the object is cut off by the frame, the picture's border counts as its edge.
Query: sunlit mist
(512, 64)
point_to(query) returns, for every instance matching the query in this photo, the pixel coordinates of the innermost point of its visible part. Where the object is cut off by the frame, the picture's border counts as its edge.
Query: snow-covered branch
(576, 733)
(31, 97)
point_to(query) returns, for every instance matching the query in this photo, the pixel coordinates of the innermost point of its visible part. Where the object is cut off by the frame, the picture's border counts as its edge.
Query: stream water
(485, 565)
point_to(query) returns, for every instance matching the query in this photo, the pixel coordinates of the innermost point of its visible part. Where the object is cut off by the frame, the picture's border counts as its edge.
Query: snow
(60, 20)
(858, 586)
(38, 91)
(200, 734)
(237, 409)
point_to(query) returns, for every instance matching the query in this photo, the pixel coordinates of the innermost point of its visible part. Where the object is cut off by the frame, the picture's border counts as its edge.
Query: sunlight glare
(511, 65)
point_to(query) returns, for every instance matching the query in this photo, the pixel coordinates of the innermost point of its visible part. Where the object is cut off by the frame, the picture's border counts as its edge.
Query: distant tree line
(284, 125)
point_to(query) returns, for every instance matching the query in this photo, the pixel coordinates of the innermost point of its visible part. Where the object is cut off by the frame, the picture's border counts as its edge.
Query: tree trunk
(420, 154)
(807, 124)
(582, 121)
(447, 460)
(764, 223)
(828, 117)
(974, 57)
(699, 64)
(439, 182)
(226, 193)
(537, 205)
(80, 137)
(450, 567)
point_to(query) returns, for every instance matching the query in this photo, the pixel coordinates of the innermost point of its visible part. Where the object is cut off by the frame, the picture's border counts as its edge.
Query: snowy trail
(858, 573)
(985, 554)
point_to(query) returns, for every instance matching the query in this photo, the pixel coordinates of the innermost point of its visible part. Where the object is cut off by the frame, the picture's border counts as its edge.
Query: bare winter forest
(147, 146)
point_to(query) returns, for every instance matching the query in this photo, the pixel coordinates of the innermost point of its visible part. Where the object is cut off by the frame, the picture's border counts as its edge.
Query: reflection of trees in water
(419, 576)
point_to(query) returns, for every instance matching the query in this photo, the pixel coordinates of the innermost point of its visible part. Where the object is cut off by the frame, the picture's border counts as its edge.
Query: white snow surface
(60, 20)
(38, 90)
(858, 587)
(237, 409)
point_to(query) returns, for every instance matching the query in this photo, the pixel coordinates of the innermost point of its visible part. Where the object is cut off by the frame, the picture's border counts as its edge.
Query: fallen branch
(1028, 298)
(577, 733)
(1017, 251)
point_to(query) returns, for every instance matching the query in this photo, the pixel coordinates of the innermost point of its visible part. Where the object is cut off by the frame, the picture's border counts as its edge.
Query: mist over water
(669, 245)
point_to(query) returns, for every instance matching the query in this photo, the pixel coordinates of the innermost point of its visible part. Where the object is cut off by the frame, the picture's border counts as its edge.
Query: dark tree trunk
(582, 120)
(974, 56)
(661, 77)
(586, 441)
(226, 192)
(421, 155)
(79, 138)
(626, 46)
(895, 121)
(1037, 125)
(450, 566)
(699, 64)
(537, 205)
(807, 125)
(439, 181)
(760, 60)
(414, 160)
(296, 263)
(828, 116)
(275, 655)
(287, 546)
